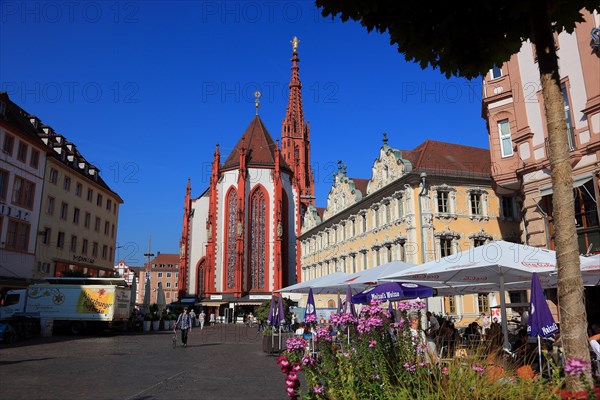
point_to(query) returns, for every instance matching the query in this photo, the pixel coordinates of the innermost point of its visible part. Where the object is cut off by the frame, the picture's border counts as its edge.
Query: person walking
(184, 323)
(193, 317)
(212, 319)
(201, 319)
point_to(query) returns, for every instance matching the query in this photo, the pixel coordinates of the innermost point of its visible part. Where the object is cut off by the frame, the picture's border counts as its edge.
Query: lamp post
(148, 254)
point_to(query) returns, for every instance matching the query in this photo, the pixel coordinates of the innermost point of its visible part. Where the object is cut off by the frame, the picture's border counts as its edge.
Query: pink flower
(445, 371)
(308, 360)
(290, 391)
(478, 368)
(296, 367)
(319, 389)
(577, 367)
(372, 343)
(292, 376)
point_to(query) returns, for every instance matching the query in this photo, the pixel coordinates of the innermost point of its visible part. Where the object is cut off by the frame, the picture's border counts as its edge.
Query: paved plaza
(220, 362)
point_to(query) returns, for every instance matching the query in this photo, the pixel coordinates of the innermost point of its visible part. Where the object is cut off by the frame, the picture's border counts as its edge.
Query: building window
(479, 242)
(97, 225)
(445, 247)
(443, 200)
(108, 204)
(90, 195)
(483, 303)
(258, 238)
(400, 206)
(67, 184)
(99, 200)
(76, 216)
(106, 227)
(78, 189)
(64, 210)
(476, 207)
(506, 146)
(50, 205)
(451, 305)
(160, 274)
(3, 184)
(86, 220)
(47, 236)
(519, 296)
(53, 177)
(23, 192)
(112, 231)
(73, 243)
(232, 200)
(9, 142)
(60, 240)
(95, 249)
(22, 152)
(508, 207)
(17, 235)
(568, 117)
(84, 247)
(168, 274)
(168, 285)
(104, 252)
(34, 159)
(495, 72)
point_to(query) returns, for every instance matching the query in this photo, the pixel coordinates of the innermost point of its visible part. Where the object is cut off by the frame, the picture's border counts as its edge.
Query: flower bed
(372, 357)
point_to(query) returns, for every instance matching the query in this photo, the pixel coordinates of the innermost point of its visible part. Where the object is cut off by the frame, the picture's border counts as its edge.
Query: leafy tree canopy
(461, 38)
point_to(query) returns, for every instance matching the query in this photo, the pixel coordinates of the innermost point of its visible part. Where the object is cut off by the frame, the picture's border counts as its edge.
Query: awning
(209, 303)
(577, 181)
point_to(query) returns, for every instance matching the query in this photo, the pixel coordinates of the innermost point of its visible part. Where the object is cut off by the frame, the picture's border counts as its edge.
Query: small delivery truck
(78, 304)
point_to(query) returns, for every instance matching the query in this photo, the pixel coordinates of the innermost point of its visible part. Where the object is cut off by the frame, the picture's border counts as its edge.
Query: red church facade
(238, 240)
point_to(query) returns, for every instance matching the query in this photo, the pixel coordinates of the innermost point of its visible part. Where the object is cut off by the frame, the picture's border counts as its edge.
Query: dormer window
(495, 72)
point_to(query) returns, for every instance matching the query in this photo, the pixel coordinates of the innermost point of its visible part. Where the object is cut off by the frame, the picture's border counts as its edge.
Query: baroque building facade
(58, 214)
(418, 205)
(514, 110)
(238, 240)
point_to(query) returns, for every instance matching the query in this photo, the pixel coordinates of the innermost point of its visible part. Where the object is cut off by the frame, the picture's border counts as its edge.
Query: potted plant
(155, 321)
(147, 322)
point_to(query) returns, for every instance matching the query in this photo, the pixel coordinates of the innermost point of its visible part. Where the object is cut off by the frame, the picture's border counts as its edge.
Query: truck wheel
(77, 328)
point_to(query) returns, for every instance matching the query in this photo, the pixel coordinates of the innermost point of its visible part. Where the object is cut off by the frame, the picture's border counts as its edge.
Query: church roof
(432, 155)
(260, 148)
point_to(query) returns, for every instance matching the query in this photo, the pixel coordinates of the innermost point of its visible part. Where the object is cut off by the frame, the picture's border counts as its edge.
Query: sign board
(216, 297)
(260, 297)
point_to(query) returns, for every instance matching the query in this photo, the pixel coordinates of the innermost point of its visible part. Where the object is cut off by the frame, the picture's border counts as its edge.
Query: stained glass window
(232, 201)
(258, 237)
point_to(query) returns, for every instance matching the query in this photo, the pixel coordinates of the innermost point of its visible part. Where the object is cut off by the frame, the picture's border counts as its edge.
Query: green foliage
(461, 39)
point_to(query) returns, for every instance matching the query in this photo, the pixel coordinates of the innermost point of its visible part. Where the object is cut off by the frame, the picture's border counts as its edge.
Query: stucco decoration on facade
(343, 193)
(388, 167)
(311, 218)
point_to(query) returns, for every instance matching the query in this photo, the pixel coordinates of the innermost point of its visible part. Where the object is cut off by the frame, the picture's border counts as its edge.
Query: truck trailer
(78, 304)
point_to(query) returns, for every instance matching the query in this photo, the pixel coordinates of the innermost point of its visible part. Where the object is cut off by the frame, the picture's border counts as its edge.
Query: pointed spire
(295, 113)
(257, 95)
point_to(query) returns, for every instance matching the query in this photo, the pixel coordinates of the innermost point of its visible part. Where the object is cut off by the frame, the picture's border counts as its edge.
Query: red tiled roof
(321, 211)
(361, 184)
(260, 148)
(166, 259)
(449, 157)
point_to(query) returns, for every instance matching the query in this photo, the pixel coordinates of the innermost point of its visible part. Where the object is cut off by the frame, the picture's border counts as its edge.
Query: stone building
(418, 205)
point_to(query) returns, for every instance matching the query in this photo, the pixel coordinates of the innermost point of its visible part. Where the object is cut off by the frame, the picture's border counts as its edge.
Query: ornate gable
(344, 192)
(311, 218)
(388, 167)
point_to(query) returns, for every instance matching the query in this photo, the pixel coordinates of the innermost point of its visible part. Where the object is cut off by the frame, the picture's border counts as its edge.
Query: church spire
(295, 134)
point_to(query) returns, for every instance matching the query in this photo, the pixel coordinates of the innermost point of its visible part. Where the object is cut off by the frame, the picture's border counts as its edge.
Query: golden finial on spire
(257, 95)
(294, 43)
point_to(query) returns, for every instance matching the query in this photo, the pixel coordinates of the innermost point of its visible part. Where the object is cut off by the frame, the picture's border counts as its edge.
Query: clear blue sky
(145, 89)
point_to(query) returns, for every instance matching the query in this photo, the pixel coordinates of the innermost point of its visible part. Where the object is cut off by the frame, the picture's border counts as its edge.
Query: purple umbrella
(310, 312)
(540, 323)
(280, 312)
(272, 319)
(392, 291)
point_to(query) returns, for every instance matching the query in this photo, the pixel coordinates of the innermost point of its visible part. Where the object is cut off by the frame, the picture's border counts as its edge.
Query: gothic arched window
(231, 215)
(258, 238)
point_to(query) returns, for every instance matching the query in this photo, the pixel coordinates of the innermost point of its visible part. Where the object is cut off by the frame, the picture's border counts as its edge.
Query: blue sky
(145, 89)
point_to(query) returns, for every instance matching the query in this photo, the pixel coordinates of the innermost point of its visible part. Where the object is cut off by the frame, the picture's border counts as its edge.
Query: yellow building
(418, 205)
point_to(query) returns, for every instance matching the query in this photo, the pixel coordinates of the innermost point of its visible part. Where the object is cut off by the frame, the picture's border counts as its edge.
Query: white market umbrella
(361, 280)
(133, 297)
(147, 295)
(304, 287)
(494, 267)
(161, 301)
